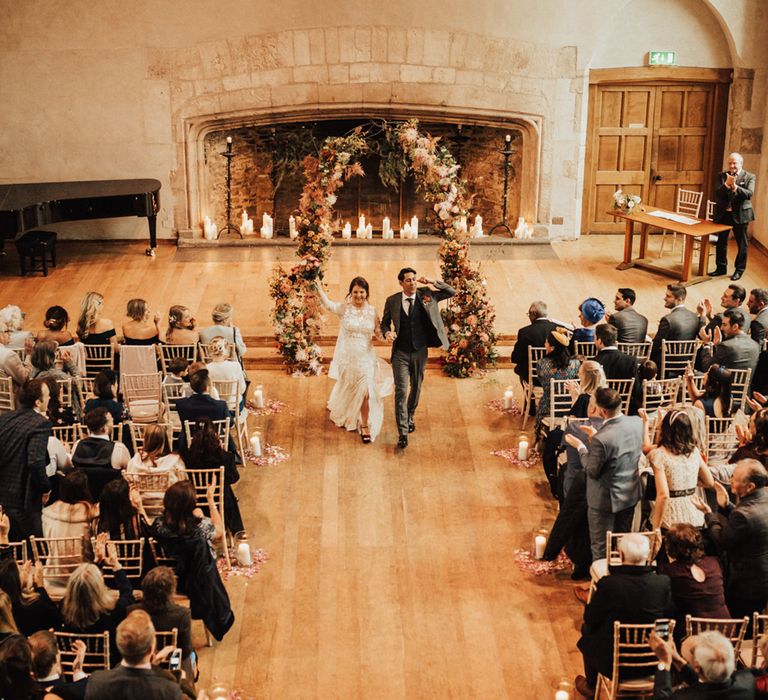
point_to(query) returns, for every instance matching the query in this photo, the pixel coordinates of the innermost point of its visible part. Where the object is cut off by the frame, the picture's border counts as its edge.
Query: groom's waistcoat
(412, 335)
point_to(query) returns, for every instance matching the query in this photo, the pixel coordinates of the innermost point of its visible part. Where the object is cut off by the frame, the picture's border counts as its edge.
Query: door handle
(656, 178)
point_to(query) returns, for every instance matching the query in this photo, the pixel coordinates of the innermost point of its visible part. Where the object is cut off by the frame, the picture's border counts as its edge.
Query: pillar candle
(244, 554)
(385, 227)
(509, 397)
(346, 232)
(522, 449)
(540, 543)
(258, 396)
(369, 231)
(256, 445)
(478, 226)
(562, 694)
(292, 227)
(415, 227)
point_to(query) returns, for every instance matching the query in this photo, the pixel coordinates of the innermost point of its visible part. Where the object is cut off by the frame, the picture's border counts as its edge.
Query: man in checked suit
(24, 485)
(679, 324)
(733, 206)
(415, 316)
(610, 462)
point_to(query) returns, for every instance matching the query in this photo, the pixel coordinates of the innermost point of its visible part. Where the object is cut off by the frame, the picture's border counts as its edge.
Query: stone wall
(107, 91)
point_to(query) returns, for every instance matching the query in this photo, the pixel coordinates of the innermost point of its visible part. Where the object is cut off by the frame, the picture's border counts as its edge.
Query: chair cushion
(144, 410)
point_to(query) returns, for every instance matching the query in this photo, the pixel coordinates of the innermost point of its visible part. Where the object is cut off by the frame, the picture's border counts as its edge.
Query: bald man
(733, 206)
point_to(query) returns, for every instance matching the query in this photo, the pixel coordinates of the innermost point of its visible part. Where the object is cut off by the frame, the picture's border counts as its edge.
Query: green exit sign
(661, 58)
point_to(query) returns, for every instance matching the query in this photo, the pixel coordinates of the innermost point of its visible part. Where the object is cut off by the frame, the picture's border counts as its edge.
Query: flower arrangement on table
(624, 201)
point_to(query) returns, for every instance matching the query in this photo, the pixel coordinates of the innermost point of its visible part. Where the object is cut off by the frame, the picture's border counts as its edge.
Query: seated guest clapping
(715, 397)
(753, 441)
(55, 327)
(140, 327)
(121, 512)
(88, 605)
(710, 671)
(72, 514)
(741, 532)
(633, 593)
(697, 579)
(33, 609)
(16, 681)
(47, 670)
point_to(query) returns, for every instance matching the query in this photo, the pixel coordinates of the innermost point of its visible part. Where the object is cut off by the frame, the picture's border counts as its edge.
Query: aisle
(391, 575)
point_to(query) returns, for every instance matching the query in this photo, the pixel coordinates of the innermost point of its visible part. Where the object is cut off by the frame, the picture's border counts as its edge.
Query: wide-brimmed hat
(562, 336)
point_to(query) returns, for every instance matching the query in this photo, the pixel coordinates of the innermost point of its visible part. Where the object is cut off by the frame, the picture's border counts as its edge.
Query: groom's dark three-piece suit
(418, 326)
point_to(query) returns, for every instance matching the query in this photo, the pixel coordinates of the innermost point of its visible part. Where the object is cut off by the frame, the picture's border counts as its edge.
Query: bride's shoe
(365, 436)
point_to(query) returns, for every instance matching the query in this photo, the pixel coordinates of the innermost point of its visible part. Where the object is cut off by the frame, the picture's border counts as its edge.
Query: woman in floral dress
(362, 378)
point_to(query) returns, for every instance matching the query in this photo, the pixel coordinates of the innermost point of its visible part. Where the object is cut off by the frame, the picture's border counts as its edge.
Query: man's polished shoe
(581, 594)
(718, 273)
(736, 275)
(581, 686)
(411, 425)
(402, 442)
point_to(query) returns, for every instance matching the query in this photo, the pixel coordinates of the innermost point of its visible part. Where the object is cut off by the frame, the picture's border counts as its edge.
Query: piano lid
(18, 196)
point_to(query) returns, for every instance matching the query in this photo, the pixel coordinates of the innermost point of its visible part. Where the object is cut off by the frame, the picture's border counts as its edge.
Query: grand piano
(32, 205)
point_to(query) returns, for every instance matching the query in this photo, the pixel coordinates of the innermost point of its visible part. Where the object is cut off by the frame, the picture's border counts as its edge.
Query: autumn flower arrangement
(469, 315)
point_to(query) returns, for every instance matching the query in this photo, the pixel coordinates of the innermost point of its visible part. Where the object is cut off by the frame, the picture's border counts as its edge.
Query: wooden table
(690, 232)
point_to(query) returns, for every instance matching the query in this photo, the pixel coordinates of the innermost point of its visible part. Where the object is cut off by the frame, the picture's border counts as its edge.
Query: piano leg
(152, 221)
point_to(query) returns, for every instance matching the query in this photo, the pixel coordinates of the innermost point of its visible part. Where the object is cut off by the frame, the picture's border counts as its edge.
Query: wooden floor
(391, 575)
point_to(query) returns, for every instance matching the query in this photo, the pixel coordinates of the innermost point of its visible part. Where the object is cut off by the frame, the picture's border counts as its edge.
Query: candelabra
(229, 227)
(506, 152)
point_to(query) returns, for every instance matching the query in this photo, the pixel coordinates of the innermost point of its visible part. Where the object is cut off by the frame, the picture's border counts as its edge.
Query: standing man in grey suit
(679, 324)
(415, 316)
(733, 206)
(631, 326)
(610, 462)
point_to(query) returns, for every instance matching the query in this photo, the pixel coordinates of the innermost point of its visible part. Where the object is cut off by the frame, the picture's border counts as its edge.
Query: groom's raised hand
(424, 280)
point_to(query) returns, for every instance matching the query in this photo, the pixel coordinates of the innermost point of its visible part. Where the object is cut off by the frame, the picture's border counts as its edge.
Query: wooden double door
(652, 137)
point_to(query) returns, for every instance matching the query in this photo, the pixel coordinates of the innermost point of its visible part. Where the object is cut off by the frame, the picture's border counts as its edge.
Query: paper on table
(679, 218)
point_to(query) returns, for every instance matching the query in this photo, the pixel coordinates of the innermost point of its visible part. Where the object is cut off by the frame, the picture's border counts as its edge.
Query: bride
(362, 378)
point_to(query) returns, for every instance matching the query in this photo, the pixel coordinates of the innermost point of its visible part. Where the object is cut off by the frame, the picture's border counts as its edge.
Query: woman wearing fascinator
(557, 363)
(362, 379)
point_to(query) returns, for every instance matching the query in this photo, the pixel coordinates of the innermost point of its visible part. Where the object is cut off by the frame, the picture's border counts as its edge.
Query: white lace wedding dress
(356, 368)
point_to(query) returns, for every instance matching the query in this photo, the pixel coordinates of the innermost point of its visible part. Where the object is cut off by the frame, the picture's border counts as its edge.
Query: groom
(418, 326)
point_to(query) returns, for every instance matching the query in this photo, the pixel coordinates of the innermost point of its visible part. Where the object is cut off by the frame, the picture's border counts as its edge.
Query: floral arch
(469, 315)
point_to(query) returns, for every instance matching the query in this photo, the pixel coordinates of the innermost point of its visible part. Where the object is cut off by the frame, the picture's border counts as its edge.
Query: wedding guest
(72, 514)
(140, 327)
(591, 312)
(732, 298)
(181, 327)
(679, 324)
(616, 363)
(741, 531)
(121, 512)
(696, 577)
(43, 361)
(11, 364)
(92, 328)
(753, 442)
(97, 454)
(532, 335)
(715, 395)
(736, 350)
(677, 469)
(155, 455)
(14, 319)
(591, 378)
(55, 327)
(200, 405)
(221, 368)
(758, 307)
(178, 369)
(47, 670)
(630, 326)
(222, 326)
(16, 681)
(105, 393)
(557, 363)
(33, 608)
(633, 594)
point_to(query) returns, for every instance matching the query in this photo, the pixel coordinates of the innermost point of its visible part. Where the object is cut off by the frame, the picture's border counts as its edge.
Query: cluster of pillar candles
(364, 230)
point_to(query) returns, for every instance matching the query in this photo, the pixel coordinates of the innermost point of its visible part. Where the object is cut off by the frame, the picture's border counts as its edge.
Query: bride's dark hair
(359, 282)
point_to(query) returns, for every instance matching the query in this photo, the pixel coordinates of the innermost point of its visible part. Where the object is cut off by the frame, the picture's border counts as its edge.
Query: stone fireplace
(267, 177)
